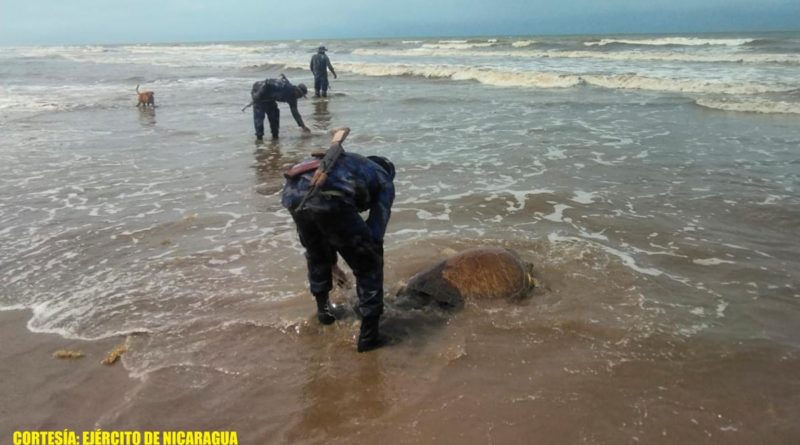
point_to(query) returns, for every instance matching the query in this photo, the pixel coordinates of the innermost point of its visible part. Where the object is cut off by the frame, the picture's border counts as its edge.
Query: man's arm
(296, 114)
(381, 209)
(330, 67)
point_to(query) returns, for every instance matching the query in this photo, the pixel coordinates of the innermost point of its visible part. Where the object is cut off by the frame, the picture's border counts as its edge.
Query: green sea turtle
(474, 274)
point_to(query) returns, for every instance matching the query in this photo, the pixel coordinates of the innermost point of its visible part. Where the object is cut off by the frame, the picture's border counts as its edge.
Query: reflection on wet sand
(269, 166)
(339, 395)
(322, 116)
(147, 117)
(274, 156)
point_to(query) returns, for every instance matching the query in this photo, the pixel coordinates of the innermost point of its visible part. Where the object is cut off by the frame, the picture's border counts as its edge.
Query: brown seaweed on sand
(67, 354)
(115, 354)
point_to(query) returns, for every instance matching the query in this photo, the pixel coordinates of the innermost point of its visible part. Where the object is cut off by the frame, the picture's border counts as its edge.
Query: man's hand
(334, 76)
(305, 129)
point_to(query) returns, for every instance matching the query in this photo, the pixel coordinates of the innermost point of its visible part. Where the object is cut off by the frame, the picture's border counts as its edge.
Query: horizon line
(429, 36)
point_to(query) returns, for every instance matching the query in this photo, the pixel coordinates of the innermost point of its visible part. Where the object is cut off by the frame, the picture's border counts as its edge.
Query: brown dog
(146, 98)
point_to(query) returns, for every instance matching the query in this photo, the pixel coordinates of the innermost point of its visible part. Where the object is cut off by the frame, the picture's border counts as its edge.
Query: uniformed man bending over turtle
(328, 223)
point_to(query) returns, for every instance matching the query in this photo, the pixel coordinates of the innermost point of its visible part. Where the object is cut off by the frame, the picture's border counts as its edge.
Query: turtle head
(529, 275)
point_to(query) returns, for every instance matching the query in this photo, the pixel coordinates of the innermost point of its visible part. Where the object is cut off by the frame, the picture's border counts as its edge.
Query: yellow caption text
(100, 437)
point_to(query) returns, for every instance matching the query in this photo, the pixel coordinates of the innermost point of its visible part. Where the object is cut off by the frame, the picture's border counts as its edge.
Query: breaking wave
(457, 44)
(486, 76)
(637, 82)
(671, 41)
(160, 55)
(752, 105)
(510, 78)
(660, 56)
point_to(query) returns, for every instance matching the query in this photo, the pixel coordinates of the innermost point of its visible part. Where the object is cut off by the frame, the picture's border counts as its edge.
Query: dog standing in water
(146, 98)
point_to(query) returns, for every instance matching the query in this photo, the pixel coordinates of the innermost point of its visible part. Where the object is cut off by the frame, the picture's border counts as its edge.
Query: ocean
(653, 181)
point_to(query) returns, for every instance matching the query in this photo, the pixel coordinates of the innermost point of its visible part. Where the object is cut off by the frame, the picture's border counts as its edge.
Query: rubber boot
(324, 309)
(370, 337)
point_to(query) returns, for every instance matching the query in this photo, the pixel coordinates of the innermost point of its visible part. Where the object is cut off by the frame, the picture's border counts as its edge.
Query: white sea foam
(750, 105)
(699, 311)
(162, 55)
(623, 56)
(582, 197)
(555, 153)
(638, 82)
(711, 261)
(592, 235)
(626, 258)
(456, 44)
(721, 306)
(404, 232)
(521, 196)
(63, 98)
(60, 318)
(558, 213)
(237, 270)
(426, 215)
(678, 41)
(488, 76)
(523, 43)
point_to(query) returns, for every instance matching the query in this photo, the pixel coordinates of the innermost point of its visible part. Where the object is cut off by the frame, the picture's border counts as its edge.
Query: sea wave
(42, 98)
(660, 56)
(523, 43)
(750, 105)
(668, 56)
(487, 76)
(538, 79)
(66, 98)
(457, 44)
(159, 55)
(671, 41)
(638, 82)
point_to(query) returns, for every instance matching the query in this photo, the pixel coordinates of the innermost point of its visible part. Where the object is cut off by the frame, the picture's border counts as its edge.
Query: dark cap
(322, 48)
(302, 88)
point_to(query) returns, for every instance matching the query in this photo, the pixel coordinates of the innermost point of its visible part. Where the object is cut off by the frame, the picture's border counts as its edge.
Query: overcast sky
(126, 21)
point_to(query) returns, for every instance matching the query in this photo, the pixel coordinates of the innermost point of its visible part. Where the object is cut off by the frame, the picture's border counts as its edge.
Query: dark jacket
(277, 90)
(320, 64)
(354, 181)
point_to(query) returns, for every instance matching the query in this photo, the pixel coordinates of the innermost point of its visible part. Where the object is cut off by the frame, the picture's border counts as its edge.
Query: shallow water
(663, 231)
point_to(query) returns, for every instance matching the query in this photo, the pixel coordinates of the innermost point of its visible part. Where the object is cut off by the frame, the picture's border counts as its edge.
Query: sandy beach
(41, 392)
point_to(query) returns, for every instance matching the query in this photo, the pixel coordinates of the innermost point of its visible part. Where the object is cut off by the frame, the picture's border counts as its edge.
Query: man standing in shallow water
(320, 64)
(326, 212)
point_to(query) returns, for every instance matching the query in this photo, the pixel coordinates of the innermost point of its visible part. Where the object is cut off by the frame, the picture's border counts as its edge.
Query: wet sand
(41, 392)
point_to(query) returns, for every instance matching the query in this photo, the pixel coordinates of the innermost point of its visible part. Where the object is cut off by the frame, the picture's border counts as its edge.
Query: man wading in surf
(320, 64)
(325, 207)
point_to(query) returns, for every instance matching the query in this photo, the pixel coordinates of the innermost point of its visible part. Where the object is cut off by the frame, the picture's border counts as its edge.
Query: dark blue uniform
(320, 64)
(330, 222)
(265, 95)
